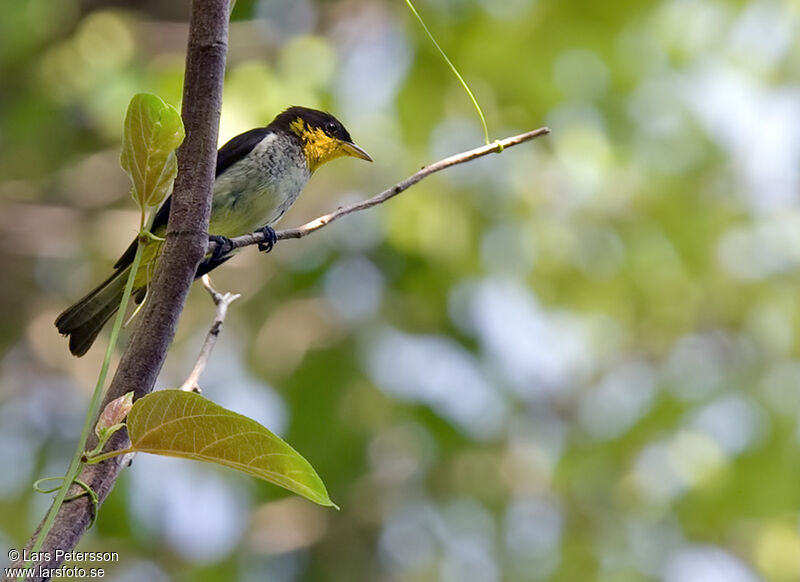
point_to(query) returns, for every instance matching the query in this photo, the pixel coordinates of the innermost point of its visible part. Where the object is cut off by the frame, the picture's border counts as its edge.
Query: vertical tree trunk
(186, 242)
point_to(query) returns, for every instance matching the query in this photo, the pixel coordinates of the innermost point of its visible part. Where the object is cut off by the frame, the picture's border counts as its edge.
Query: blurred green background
(574, 361)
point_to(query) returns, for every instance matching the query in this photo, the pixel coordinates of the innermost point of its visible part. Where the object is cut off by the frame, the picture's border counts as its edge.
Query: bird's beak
(353, 150)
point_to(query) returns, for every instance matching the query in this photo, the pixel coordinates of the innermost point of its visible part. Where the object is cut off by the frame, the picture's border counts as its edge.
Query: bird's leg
(270, 238)
(224, 246)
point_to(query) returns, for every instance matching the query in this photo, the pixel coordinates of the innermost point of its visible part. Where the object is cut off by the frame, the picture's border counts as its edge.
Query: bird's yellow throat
(318, 147)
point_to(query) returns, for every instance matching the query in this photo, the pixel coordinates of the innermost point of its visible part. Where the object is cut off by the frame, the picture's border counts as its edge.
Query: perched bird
(260, 174)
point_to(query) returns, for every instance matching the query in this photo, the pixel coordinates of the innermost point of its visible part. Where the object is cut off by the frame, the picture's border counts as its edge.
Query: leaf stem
(452, 68)
(109, 455)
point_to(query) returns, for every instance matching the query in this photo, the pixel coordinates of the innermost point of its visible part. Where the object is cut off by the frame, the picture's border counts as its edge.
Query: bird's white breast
(256, 190)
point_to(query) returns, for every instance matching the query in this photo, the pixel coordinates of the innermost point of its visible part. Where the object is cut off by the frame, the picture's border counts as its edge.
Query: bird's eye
(330, 128)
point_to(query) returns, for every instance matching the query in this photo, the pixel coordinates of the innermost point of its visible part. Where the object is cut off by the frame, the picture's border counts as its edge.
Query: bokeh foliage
(577, 360)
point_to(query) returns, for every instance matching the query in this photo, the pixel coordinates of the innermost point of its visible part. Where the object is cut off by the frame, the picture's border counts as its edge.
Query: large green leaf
(185, 424)
(153, 131)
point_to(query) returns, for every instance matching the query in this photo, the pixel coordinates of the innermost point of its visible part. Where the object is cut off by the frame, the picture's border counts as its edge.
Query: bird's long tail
(84, 320)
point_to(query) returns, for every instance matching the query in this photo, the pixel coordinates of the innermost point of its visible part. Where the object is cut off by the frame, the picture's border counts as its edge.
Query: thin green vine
(71, 475)
(455, 71)
(88, 491)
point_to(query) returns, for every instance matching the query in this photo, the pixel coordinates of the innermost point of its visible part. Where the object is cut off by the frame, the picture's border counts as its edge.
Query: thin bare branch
(222, 301)
(317, 223)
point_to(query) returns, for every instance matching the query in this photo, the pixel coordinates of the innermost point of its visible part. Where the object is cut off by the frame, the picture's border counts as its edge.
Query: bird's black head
(323, 136)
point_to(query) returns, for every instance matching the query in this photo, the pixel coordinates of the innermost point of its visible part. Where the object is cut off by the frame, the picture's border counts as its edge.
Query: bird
(259, 175)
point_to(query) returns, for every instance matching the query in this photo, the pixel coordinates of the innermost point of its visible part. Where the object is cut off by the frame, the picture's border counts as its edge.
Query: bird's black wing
(233, 151)
(239, 147)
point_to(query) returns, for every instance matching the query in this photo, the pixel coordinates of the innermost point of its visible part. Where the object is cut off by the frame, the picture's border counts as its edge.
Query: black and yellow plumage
(259, 175)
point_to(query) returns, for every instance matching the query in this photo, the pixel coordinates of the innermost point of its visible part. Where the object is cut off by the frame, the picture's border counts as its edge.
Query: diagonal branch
(222, 301)
(317, 223)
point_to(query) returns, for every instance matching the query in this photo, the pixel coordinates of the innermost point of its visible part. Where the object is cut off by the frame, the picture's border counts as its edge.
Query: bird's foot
(224, 246)
(270, 238)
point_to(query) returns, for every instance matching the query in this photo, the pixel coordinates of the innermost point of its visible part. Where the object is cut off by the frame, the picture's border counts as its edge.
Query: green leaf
(184, 424)
(153, 131)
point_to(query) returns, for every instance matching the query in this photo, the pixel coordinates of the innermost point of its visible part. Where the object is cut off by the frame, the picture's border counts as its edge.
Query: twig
(222, 302)
(317, 223)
